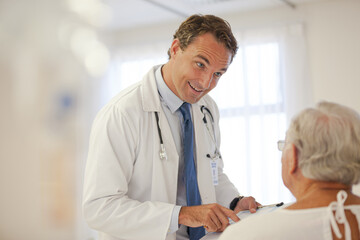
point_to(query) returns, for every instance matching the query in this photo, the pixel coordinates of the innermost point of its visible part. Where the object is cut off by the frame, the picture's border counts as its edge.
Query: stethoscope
(207, 115)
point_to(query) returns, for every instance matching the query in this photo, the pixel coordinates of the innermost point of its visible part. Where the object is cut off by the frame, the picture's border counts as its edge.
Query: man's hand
(213, 217)
(247, 203)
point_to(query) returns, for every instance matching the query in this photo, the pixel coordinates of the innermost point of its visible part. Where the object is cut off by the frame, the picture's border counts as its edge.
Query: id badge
(214, 170)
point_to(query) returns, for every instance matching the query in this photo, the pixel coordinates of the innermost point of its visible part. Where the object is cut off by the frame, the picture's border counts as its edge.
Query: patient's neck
(313, 194)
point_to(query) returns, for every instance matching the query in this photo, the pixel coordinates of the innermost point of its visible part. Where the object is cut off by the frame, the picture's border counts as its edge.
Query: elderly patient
(320, 164)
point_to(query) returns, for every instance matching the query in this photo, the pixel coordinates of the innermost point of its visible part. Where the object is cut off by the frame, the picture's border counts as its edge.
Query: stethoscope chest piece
(163, 155)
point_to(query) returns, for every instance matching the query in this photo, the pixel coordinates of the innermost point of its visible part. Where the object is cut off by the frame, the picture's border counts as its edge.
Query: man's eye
(218, 74)
(200, 64)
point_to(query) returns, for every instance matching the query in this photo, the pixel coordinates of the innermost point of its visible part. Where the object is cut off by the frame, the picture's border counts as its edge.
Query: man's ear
(293, 161)
(175, 47)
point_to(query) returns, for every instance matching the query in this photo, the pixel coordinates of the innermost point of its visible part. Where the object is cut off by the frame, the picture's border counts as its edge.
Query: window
(250, 98)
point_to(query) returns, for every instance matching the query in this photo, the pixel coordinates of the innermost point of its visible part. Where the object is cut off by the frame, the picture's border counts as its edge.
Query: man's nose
(206, 79)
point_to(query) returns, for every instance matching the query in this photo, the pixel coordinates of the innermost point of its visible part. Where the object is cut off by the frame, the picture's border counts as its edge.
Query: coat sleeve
(106, 205)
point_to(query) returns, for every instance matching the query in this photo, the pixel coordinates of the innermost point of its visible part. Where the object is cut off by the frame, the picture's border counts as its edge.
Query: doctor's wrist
(234, 202)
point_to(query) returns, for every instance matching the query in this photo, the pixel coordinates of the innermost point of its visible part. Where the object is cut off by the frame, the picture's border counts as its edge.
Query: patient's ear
(293, 161)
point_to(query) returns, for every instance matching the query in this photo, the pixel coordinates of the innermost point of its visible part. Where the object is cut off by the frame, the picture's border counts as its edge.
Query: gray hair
(327, 139)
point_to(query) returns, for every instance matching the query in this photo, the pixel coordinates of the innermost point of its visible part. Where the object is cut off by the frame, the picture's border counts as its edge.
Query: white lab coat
(129, 193)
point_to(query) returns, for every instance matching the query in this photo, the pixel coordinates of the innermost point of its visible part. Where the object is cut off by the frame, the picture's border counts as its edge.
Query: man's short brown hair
(197, 25)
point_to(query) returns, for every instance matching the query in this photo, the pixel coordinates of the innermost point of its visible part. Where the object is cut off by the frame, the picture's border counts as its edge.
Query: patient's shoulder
(281, 224)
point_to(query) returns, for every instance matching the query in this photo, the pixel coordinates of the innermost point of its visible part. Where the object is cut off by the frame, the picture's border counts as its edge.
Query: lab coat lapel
(165, 172)
(203, 147)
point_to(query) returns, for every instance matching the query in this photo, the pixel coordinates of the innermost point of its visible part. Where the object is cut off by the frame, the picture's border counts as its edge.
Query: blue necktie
(192, 191)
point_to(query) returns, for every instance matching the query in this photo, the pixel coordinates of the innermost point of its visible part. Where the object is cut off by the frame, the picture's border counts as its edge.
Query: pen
(270, 205)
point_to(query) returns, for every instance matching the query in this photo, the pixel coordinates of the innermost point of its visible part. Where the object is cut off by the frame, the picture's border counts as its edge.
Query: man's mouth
(195, 89)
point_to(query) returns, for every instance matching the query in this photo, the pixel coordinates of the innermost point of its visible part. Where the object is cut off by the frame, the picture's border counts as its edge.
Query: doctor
(140, 150)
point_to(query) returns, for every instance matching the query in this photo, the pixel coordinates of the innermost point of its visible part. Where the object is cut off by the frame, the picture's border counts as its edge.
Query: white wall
(333, 39)
(334, 52)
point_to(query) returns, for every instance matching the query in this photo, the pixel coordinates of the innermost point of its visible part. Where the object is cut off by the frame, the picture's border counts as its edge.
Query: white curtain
(266, 84)
(264, 87)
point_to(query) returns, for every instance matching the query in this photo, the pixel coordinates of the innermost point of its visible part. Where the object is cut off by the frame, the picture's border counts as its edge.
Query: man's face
(197, 70)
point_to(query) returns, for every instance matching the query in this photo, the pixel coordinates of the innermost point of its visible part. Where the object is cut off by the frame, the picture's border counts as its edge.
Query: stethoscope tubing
(163, 154)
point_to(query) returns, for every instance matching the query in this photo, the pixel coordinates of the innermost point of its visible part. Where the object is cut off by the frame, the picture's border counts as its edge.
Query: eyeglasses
(281, 145)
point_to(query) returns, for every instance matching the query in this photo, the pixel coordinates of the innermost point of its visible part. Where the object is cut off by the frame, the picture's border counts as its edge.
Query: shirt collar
(166, 95)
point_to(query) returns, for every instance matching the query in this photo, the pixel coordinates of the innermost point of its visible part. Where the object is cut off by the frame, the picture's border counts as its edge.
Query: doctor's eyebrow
(208, 62)
(203, 58)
